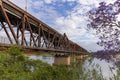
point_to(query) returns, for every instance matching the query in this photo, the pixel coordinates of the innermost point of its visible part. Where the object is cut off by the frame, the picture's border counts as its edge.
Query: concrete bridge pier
(62, 59)
(66, 59)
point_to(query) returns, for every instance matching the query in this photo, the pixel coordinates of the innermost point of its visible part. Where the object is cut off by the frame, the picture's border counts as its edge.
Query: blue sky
(66, 16)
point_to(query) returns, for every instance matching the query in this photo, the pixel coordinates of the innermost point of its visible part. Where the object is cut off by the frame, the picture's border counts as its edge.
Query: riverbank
(14, 65)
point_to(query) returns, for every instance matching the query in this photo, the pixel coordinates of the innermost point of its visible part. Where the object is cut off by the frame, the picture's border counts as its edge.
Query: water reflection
(46, 59)
(107, 69)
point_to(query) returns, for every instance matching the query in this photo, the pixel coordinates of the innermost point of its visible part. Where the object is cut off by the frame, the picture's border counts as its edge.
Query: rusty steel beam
(3, 26)
(31, 32)
(8, 22)
(24, 39)
(22, 30)
(44, 37)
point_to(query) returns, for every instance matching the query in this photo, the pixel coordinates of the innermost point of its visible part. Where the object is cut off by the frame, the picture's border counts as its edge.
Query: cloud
(90, 45)
(75, 23)
(49, 1)
(20, 3)
(88, 2)
(38, 4)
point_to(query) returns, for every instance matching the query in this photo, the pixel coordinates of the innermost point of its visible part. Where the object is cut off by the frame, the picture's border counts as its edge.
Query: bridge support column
(62, 59)
(81, 57)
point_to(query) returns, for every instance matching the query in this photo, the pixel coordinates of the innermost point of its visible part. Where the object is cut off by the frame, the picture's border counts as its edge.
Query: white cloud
(38, 4)
(90, 45)
(49, 1)
(70, 26)
(20, 3)
(88, 2)
(74, 24)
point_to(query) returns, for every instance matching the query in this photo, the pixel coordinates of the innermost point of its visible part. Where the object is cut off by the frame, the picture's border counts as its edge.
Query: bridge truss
(25, 30)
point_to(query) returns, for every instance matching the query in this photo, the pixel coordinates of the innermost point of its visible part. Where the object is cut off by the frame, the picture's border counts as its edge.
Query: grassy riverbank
(15, 66)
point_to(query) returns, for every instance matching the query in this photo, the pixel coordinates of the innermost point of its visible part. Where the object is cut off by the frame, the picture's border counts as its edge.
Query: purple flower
(103, 19)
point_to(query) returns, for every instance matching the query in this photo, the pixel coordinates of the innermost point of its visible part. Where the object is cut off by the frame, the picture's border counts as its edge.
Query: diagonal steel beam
(3, 26)
(44, 37)
(23, 30)
(39, 37)
(24, 39)
(60, 38)
(53, 38)
(66, 41)
(9, 23)
(31, 32)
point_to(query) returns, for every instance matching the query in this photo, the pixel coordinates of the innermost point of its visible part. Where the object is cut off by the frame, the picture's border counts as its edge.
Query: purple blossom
(103, 19)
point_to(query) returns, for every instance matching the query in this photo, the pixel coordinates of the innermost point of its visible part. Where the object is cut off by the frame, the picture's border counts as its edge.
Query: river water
(107, 68)
(46, 59)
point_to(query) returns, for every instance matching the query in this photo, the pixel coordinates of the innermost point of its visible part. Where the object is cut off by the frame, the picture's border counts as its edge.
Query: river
(46, 59)
(107, 68)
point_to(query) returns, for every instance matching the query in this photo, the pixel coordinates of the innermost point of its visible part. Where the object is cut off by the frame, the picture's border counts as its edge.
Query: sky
(66, 16)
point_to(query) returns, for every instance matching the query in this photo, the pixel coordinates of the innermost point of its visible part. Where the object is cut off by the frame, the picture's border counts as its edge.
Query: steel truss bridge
(25, 30)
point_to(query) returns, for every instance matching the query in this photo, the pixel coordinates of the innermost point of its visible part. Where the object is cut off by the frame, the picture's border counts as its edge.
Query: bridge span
(23, 29)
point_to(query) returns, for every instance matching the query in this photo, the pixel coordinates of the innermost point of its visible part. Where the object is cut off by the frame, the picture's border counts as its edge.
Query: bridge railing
(5, 40)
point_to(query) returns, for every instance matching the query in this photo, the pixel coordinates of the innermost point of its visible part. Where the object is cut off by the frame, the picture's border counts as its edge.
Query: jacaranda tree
(105, 21)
